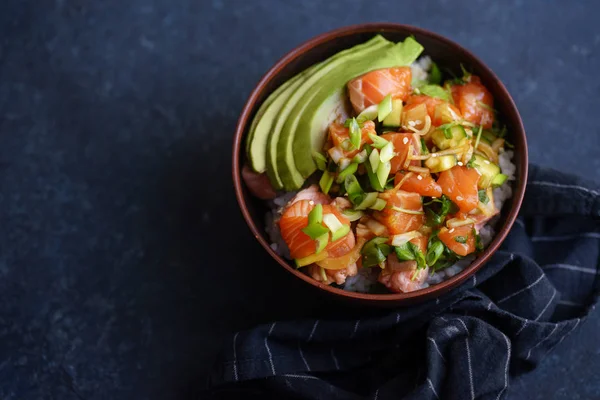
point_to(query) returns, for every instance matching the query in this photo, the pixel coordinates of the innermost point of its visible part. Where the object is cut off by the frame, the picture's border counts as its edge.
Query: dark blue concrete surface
(123, 258)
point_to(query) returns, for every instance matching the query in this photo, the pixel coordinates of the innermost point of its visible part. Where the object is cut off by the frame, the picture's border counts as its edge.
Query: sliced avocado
(449, 137)
(317, 114)
(280, 148)
(393, 119)
(258, 134)
(487, 169)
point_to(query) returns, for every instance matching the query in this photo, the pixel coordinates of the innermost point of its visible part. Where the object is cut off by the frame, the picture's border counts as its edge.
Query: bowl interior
(449, 56)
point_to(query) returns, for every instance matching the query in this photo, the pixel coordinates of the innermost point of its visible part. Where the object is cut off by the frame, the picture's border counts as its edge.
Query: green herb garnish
(408, 252)
(483, 197)
(460, 239)
(435, 91)
(435, 75)
(375, 251)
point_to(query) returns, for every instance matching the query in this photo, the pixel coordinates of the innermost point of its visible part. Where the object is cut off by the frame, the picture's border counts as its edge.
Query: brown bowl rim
(430, 291)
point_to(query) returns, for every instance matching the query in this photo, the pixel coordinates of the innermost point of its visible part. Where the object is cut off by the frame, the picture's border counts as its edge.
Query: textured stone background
(123, 257)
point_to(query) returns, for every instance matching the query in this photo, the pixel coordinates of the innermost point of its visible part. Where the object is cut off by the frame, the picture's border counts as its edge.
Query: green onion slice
(386, 153)
(349, 170)
(315, 230)
(326, 182)
(384, 108)
(355, 133)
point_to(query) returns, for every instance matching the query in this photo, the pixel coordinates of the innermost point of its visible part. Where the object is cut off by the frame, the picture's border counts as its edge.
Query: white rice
(367, 277)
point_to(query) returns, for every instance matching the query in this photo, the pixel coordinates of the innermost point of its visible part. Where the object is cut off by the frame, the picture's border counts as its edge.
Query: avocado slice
(256, 143)
(280, 157)
(318, 111)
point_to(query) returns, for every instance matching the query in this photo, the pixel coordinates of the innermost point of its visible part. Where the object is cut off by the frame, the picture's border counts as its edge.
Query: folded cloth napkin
(467, 344)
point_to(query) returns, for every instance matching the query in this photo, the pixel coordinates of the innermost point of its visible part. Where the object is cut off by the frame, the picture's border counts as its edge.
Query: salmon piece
(295, 218)
(332, 275)
(430, 103)
(338, 133)
(424, 185)
(344, 245)
(291, 223)
(475, 102)
(402, 142)
(397, 221)
(460, 184)
(399, 276)
(258, 184)
(313, 192)
(463, 233)
(373, 86)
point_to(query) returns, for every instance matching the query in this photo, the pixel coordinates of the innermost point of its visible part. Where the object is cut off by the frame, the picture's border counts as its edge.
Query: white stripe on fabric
(590, 235)
(490, 306)
(572, 268)
(313, 330)
(547, 305)
(566, 334)
(335, 361)
(376, 394)
(397, 318)
(521, 290)
(355, 328)
(569, 303)
(301, 376)
(563, 186)
(525, 322)
(235, 372)
(436, 347)
(269, 350)
(432, 388)
(540, 342)
(303, 359)
(506, 366)
(468, 357)
(474, 280)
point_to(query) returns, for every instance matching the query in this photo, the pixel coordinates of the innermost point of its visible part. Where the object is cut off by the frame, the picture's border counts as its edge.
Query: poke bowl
(381, 163)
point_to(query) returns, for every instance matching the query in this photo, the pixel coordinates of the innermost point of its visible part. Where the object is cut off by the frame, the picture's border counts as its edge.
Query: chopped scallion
(353, 189)
(332, 222)
(315, 230)
(384, 108)
(315, 216)
(349, 170)
(378, 141)
(368, 114)
(386, 153)
(378, 205)
(383, 171)
(460, 239)
(483, 197)
(355, 133)
(326, 182)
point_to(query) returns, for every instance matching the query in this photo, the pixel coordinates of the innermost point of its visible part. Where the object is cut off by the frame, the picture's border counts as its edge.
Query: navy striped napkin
(465, 345)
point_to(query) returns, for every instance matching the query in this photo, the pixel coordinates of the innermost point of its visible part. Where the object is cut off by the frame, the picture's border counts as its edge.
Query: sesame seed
(486, 161)
(419, 177)
(312, 203)
(405, 140)
(411, 123)
(418, 121)
(451, 230)
(459, 198)
(460, 163)
(433, 155)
